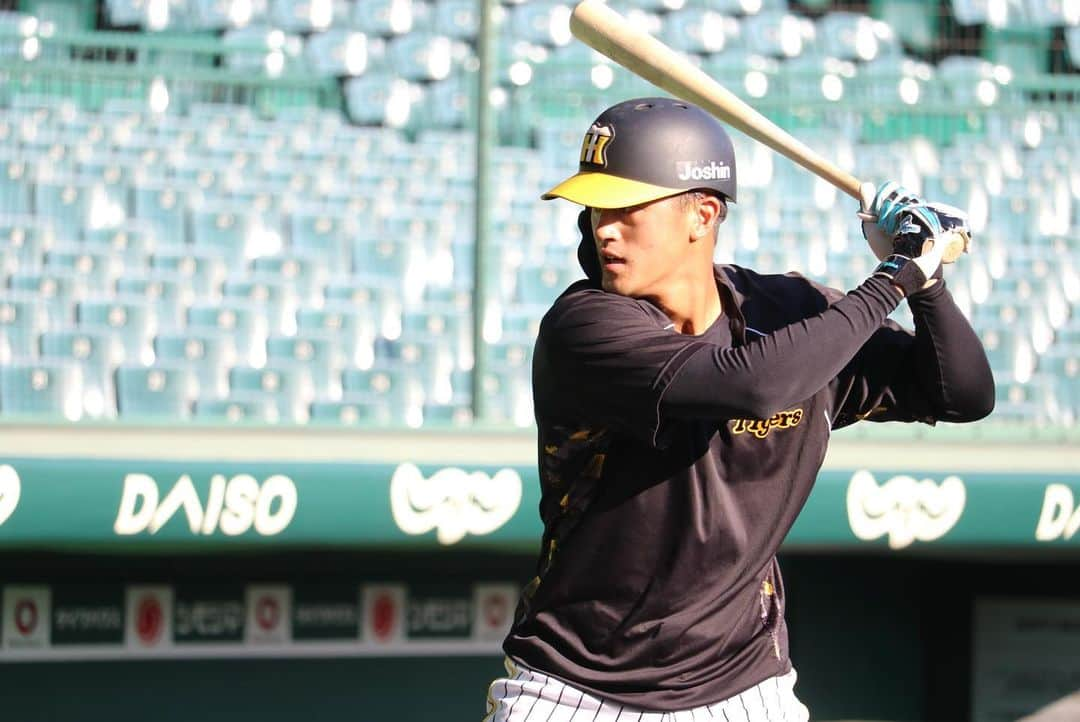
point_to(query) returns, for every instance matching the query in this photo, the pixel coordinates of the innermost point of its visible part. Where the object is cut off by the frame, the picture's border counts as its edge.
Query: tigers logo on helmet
(595, 144)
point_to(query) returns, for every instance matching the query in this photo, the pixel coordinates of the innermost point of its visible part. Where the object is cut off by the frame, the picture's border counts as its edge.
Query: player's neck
(692, 303)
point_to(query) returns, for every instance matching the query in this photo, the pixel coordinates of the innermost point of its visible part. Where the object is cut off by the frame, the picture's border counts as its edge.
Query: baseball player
(683, 411)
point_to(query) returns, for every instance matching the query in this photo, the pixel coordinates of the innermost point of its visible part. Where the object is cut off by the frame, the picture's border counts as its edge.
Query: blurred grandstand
(229, 211)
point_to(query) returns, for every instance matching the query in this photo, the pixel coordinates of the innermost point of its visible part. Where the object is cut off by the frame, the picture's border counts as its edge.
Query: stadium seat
(204, 270)
(700, 30)
(459, 19)
(266, 292)
(57, 292)
(338, 52)
(164, 207)
(259, 409)
(206, 355)
(27, 239)
(15, 186)
(395, 395)
(155, 392)
(287, 385)
(320, 354)
(383, 17)
(97, 355)
(41, 388)
(129, 321)
(352, 329)
(241, 325)
(166, 294)
(303, 16)
(352, 412)
(23, 317)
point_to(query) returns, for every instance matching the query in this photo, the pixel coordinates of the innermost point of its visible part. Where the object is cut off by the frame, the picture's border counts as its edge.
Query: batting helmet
(644, 149)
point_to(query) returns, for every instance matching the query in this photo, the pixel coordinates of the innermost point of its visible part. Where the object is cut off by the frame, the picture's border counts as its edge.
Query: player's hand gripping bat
(610, 34)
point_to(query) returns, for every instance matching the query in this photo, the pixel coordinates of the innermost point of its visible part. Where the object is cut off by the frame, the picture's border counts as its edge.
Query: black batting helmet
(644, 149)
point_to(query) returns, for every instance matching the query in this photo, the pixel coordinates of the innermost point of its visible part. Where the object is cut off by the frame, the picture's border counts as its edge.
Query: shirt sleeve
(608, 359)
(623, 368)
(938, 373)
(784, 367)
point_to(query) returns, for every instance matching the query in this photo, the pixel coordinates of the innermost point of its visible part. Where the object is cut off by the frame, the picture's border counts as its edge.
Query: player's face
(643, 249)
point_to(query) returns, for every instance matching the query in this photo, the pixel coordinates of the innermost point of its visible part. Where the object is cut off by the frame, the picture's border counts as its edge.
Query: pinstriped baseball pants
(526, 695)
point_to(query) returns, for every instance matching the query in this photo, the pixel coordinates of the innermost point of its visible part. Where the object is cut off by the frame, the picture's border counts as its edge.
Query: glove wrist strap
(902, 272)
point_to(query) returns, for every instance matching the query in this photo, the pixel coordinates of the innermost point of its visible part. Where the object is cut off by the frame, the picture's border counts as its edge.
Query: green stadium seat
(205, 355)
(459, 19)
(914, 21)
(222, 229)
(288, 385)
(65, 202)
(41, 388)
(379, 98)
(351, 412)
(23, 317)
(97, 355)
(383, 17)
(394, 396)
(155, 392)
(15, 186)
(55, 290)
(218, 15)
(857, 37)
(304, 275)
(540, 285)
(242, 326)
(338, 52)
(130, 321)
(95, 271)
(132, 242)
(266, 292)
(352, 327)
(1024, 50)
(317, 233)
(454, 415)
(259, 410)
(204, 270)
(778, 34)
(164, 207)
(27, 240)
(320, 354)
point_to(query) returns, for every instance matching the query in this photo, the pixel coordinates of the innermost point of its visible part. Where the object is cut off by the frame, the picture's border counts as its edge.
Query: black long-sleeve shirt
(673, 466)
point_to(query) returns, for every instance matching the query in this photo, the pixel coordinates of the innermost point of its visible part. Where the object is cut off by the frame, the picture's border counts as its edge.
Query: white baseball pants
(526, 695)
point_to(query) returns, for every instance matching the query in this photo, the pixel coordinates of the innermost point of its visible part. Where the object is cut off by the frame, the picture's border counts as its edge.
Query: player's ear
(709, 212)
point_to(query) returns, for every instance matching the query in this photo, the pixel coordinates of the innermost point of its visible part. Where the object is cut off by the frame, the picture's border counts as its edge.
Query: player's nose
(605, 225)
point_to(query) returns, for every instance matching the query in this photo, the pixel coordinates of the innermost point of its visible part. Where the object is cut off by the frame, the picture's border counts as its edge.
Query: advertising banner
(128, 505)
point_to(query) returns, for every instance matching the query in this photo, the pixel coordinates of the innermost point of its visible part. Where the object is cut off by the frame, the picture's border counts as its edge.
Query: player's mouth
(611, 262)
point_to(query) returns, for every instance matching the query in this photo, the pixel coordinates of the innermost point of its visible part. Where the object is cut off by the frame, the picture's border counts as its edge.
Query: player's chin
(614, 284)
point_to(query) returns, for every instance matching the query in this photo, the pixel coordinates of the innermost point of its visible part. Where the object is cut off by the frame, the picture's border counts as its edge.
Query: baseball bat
(610, 34)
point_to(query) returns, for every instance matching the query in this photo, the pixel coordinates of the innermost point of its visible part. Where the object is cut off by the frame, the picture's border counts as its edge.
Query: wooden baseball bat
(609, 33)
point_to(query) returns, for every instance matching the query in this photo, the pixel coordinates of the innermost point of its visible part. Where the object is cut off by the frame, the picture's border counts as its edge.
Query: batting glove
(881, 214)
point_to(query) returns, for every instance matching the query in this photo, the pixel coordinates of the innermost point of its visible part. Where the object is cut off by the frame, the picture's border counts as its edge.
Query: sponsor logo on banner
(1060, 515)
(384, 613)
(903, 509)
(10, 489)
(493, 610)
(149, 617)
(232, 506)
(325, 612)
(440, 616)
(209, 615)
(27, 610)
(87, 615)
(452, 501)
(269, 614)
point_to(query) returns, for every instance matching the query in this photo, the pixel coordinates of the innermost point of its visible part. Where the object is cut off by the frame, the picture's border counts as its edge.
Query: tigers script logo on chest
(761, 427)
